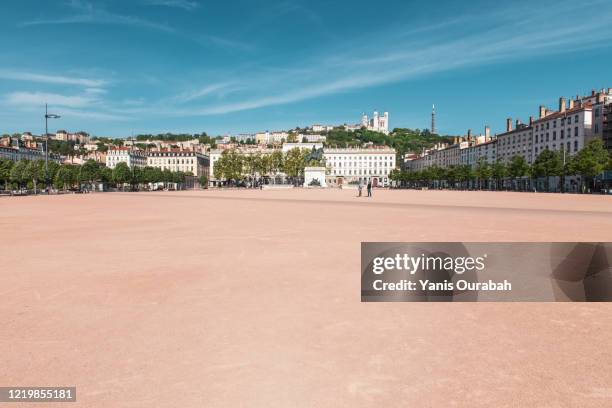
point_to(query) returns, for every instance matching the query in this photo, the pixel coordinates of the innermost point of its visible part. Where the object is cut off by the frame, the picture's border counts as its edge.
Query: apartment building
(266, 138)
(176, 160)
(607, 127)
(567, 129)
(14, 149)
(132, 157)
(598, 101)
(79, 137)
(355, 165)
(322, 128)
(516, 142)
(301, 145)
(311, 138)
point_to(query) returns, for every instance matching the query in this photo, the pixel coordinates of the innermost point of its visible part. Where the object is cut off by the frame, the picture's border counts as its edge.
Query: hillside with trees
(402, 139)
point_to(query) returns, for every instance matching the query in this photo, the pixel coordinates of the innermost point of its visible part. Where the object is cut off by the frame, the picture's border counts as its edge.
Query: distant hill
(403, 140)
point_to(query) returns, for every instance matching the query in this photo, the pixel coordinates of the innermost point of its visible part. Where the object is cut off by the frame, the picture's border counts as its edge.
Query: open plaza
(251, 298)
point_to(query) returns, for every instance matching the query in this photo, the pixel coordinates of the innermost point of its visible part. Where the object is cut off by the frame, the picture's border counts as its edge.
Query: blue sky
(116, 68)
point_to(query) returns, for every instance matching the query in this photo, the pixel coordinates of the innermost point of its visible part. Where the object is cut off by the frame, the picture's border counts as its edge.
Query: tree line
(235, 167)
(30, 174)
(403, 140)
(588, 163)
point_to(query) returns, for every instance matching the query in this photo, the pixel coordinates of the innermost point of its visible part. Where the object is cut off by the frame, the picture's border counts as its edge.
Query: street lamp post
(47, 117)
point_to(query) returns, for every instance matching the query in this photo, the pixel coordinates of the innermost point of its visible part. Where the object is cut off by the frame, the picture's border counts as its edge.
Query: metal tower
(433, 119)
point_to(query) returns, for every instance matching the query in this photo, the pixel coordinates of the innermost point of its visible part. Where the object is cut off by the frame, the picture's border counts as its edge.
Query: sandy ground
(252, 299)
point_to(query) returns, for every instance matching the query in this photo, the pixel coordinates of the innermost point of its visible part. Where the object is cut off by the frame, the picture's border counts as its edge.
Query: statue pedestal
(314, 174)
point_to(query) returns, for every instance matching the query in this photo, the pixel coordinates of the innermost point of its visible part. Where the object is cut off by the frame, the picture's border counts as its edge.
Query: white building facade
(133, 158)
(180, 160)
(358, 165)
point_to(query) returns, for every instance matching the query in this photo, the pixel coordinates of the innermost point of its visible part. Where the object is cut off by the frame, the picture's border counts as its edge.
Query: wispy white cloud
(89, 13)
(15, 75)
(399, 55)
(183, 4)
(82, 106)
(40, 98)
(93, 115)
(219, 89)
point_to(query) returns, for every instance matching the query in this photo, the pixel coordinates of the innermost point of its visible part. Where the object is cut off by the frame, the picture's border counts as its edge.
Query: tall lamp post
(47, 117)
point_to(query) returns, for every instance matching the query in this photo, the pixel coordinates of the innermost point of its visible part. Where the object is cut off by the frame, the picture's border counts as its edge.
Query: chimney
(562, 104)
(592, 92)
(571, 104)
(518, 123)
(600, 97)
(509, 125)
(531, 121)
(542, 111)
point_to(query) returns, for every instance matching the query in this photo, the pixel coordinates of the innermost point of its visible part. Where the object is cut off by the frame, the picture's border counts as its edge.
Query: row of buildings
(344, 166)
(20, 148)
(566, 129)
(187, 161)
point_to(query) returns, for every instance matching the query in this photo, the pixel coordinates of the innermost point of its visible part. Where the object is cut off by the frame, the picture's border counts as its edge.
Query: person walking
(369, 188)
(359, 189)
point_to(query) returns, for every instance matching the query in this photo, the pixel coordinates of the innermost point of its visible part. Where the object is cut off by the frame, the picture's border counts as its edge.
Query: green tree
(89, 172)
(35, 171)
(276, 162)
(483, 172)
(517, 169)
(18, 173)
(464, 175)
(106, 174)
(52, 169)
(294, 163)
(203, 180)
(252, 164)
(548, 164)
(499, 172)
(6, 166)
(122, 174)
(229, 166)
(179, 177)
(395, 175)
(590, 162)
(65, 177)
(436, 174)
(452, 176)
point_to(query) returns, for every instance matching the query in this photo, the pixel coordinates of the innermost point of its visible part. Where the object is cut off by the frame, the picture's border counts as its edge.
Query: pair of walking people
(369, 188)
